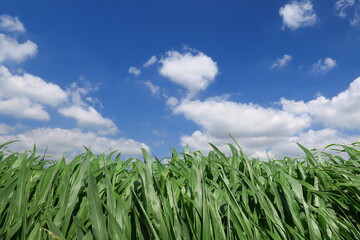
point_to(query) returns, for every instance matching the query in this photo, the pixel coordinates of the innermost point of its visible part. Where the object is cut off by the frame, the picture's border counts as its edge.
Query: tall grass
(191, 196)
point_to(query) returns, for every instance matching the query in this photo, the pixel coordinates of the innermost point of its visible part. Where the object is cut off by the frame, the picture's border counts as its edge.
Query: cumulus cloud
(21, 107)
(134, 71)
(12, 50)
(11, 24)
(255, 128)
(58, 141)
(323, 65)
(23, 95)
(199, 140)
(282, 62)
(151, 61)
(89, 117)
(78, 108)
(297, 14)
(312, 139)
(248, 120)
(340, 111)
(269, 146)
(273, 132)
(31, 87)
(194, 72)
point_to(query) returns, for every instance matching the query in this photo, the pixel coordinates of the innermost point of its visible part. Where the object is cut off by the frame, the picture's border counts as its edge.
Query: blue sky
(123, 75)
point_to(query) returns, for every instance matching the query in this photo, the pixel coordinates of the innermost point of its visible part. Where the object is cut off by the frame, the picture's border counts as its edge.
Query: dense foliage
(188, 196)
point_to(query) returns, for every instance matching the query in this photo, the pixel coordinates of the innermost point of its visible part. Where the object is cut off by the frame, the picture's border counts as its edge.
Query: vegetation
(190, 196)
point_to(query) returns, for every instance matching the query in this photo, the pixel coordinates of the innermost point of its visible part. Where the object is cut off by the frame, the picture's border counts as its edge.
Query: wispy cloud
(5, 129)
(282, 62)
(349, 9)
(342, 5)
(297, 14)
(323, 65)
(172, 101)
(155, 90)
(355, 21)
(134, 71)
(151, 61)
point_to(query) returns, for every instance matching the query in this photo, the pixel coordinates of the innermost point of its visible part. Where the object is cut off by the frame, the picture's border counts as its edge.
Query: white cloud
(312, 139)
(22, 95)
(323, 65)
(85, 115)
(194, 72)
(58, 141)
(349, 9)
(355, 21)
(31, 87)
(161, 133)
(200, 141)
(151, 61)
(155, 90)
(220, 98)
(282, 62)
(77, 94)
(12, 50)
(342, 5)
(11, 24)
(218, 118)
(172, 101)
(134, 71)
(256, 128)
(5, 129)
(21, 107)
(341, 111)
(297, 14)
(268, 146)
(89, 117)
(268, 131)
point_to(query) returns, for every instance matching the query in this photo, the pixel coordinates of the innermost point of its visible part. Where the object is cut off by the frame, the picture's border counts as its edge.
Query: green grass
(191, 196)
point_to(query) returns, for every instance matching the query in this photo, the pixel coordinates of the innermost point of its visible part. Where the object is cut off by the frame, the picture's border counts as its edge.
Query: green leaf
(95, 209)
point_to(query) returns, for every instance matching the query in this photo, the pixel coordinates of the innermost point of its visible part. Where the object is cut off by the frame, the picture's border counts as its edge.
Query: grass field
(190, 196)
